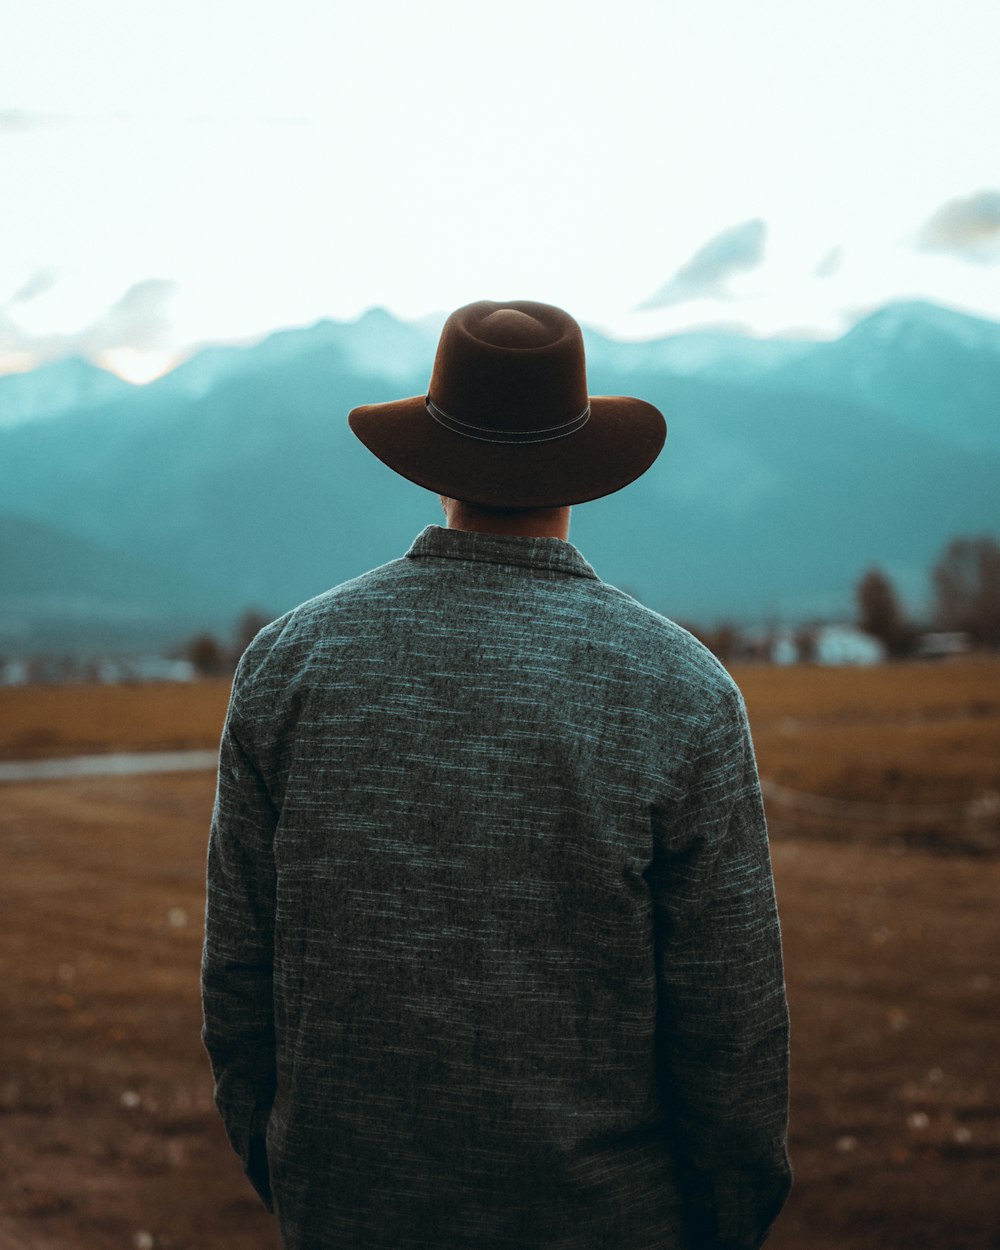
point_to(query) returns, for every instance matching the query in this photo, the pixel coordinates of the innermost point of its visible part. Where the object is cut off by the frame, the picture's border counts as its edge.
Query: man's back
(500, 828)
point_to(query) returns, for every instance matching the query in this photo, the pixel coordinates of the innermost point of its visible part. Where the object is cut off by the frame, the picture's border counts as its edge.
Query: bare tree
(881, 615)
(967, 589)
(206, 655)
(247, 628)
(806, 643)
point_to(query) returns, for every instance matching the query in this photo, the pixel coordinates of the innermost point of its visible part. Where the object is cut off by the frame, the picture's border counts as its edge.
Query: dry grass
(902, 733)
(107, 1130)
(915, 688)
(45, 721)
(106, 1123)
(920, 762)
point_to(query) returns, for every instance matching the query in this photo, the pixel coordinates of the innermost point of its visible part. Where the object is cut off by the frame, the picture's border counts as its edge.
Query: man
(491, 955)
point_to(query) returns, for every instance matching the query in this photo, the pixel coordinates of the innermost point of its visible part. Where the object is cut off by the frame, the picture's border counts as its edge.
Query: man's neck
(518, 522)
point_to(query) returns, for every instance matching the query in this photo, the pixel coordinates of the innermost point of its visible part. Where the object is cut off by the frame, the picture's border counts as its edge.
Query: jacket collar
(551, 554)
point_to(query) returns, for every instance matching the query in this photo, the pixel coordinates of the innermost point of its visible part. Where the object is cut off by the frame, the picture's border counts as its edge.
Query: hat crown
(511, 367)
(509, 327)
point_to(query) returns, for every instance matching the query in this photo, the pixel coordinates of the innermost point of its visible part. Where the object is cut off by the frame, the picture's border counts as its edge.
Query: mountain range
(131, 517)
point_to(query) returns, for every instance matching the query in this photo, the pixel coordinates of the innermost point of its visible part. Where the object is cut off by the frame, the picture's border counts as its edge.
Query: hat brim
(618, 443)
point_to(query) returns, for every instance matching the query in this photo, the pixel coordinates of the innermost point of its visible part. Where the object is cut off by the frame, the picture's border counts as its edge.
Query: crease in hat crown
(511, 328)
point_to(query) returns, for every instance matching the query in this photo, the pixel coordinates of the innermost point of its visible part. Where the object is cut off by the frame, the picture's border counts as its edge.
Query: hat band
(488, 434)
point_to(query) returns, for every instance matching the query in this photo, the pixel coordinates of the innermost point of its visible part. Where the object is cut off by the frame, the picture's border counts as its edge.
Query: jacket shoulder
(286, 641)
(665, 649)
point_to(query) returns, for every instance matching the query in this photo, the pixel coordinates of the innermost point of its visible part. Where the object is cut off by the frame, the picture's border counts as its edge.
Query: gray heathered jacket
(491, 953)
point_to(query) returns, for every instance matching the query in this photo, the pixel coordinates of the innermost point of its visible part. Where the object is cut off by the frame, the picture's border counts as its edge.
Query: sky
(210, 170)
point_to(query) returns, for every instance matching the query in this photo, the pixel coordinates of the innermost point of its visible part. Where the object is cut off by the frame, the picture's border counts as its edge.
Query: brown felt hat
(507, 421)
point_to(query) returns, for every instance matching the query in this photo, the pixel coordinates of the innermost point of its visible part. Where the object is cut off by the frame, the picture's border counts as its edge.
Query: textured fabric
(491, 955)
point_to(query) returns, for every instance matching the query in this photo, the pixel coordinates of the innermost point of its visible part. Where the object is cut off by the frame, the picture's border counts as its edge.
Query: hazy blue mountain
(61, 386)
(375, 343)
(931, 367)
(709, 353)
(785, 473)
(55, 584)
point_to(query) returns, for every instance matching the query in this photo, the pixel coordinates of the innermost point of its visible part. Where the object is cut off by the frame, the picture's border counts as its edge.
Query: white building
(846, 644)
(828, 644)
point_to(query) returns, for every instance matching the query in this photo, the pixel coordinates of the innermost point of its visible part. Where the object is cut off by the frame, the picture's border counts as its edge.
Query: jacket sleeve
(237, 957)
(722, 1030)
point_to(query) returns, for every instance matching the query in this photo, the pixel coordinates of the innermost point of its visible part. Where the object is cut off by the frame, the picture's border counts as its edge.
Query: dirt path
(108, 1137)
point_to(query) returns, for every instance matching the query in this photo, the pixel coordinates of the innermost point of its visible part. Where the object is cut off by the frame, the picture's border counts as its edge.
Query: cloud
(139, 319)
(290, 119)
(41, 280)
(734, 250)
(830, 264)
(968, 227)
(18, 121)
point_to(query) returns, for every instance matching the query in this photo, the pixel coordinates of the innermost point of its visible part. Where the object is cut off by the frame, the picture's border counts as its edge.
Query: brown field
(41, 721)
(108, 1137)
(905, 733)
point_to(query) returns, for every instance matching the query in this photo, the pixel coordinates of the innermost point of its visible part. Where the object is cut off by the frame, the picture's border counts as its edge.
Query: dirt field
(108, 1137)
(43, 721)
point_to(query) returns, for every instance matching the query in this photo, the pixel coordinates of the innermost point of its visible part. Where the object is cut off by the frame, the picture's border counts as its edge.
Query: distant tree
(881, 615)
(806, 643)
(247, 628)
(724, 642)
(967, 589)
(207, 655)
